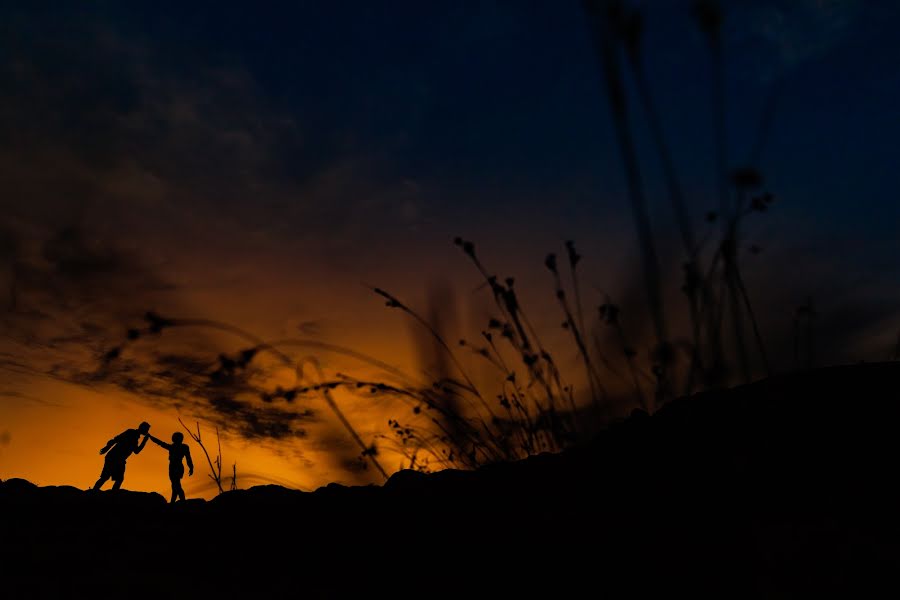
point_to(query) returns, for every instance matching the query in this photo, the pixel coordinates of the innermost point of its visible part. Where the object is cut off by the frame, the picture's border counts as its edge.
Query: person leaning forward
(117, 451)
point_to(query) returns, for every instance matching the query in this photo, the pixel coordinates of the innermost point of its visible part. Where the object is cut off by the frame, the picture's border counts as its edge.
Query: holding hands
(117, 451)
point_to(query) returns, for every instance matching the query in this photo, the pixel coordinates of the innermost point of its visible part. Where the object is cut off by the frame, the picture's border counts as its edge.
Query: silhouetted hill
(779, 489)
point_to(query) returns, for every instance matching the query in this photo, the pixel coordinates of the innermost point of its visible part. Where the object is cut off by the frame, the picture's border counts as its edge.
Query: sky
(253, 172)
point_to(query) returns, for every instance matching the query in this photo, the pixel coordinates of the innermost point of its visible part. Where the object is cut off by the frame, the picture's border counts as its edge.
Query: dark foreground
(780, 489)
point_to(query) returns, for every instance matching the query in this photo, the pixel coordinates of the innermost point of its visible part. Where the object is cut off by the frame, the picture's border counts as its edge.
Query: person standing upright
(178, 451)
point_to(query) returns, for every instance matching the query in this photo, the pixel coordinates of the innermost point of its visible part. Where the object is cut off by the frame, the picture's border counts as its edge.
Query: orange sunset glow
(348, 299)
(60, 407)
(198, 212)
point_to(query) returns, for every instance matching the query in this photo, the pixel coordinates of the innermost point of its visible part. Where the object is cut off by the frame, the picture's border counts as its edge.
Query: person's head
(144, 427)
(177, 437)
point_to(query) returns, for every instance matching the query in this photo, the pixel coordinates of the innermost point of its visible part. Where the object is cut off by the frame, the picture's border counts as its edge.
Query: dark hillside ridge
(783, 488)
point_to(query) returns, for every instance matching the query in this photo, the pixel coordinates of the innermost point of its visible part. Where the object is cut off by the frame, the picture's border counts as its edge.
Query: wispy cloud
(776, 36)
(129, 183)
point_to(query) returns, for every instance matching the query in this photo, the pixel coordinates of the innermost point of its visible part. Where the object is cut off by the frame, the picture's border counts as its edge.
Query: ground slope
(779, 489)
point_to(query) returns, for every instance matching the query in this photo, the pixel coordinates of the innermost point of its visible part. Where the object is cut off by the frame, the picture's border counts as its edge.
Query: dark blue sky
(481, 94)
(345, 137)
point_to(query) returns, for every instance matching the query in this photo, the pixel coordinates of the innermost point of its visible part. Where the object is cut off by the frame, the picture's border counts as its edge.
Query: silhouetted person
(177, 451)
(117, 451)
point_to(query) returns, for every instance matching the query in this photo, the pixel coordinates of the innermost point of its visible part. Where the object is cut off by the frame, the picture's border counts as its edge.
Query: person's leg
(176, 472)
(104, 477)
(177, 492)
(117, 472)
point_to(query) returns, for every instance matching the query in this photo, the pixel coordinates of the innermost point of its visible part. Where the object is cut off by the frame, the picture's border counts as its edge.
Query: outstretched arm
(190, 463)
(108, 445)
(158, 442)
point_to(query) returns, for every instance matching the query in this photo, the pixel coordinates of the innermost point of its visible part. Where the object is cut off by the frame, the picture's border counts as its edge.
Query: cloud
(134, 174)
(780, 35)
(69, 290)
(235, 392)
(108, 134)
(16, 395)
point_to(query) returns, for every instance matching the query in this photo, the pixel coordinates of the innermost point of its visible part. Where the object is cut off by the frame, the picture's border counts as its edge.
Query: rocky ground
(780, 489)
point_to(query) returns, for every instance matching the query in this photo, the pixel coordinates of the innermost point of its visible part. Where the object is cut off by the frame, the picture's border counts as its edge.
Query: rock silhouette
(778, 489)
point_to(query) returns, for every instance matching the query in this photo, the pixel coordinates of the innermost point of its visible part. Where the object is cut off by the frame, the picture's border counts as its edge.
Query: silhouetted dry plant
(532, 407)
(617, 32)
(524, 422)
(215, 466)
